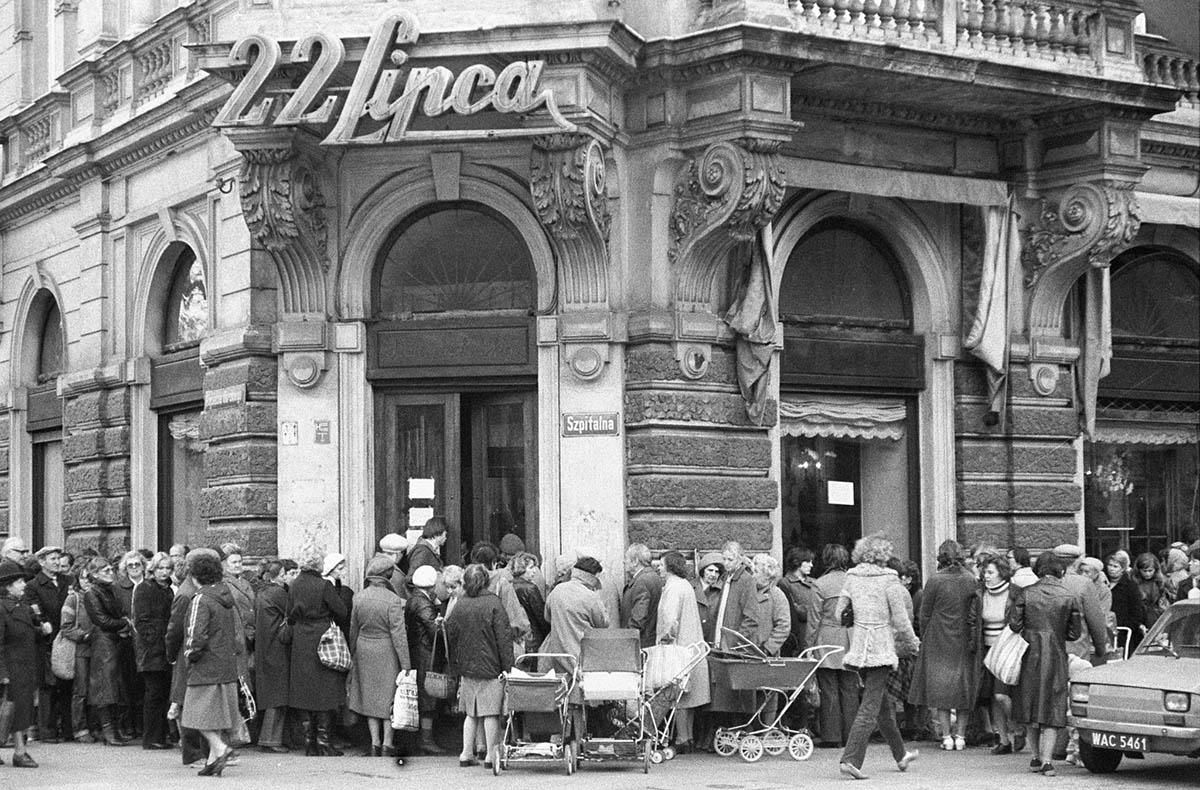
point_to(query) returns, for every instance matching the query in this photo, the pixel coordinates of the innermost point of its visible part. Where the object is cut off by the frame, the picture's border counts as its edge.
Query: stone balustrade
(1163, 64)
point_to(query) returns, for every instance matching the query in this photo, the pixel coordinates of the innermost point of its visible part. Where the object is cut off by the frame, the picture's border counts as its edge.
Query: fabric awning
(817, 174)
(842, 417)
(1168, 209)
(1147, 434)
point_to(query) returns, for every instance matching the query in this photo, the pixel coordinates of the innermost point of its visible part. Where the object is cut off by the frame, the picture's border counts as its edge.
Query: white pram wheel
(751, 748)
(800, 746)
(725, 743)
(775, 742)
(657, 757)
(668, 753)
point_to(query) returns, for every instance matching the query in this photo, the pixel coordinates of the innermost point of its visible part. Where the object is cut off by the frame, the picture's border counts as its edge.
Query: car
(1148, 703)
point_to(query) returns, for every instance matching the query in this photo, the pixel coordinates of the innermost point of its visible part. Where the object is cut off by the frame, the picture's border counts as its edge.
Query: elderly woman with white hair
(774, 613)
(882, 625)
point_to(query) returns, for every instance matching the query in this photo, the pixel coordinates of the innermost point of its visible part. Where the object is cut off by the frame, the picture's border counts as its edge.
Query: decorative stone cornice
(1085, 227)
(284, 209)
(725, 197)
(568, 184)
(899, 114)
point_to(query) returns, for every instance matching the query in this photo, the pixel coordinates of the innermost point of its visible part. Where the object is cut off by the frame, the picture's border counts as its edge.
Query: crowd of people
(187, 649)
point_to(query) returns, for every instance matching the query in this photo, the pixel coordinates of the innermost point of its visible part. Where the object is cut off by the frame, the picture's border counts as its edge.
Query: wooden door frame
(528, 401)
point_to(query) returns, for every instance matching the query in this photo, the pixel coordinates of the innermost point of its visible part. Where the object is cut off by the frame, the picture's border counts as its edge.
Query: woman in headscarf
(379, 644)
(946, 676)
(679, 624)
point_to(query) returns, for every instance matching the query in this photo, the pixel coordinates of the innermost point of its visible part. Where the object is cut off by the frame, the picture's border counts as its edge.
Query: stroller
(537, 722)
(660, 701)
(782, 678)
(611, 684)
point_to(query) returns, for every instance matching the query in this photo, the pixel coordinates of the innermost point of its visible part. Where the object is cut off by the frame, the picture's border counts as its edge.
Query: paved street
(71, 766)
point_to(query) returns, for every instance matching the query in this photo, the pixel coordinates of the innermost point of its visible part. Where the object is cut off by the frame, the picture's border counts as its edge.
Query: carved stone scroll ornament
(731, 192)
(1086, 229)
(284, 209)
(567, 182)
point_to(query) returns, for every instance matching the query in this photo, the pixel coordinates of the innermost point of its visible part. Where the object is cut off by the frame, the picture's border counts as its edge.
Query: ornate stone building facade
(599, 272)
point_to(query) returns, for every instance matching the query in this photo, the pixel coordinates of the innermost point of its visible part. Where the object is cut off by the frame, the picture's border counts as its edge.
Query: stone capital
(725, 197)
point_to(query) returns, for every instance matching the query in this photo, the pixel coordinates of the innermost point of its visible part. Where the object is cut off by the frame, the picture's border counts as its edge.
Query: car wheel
(1099, 761)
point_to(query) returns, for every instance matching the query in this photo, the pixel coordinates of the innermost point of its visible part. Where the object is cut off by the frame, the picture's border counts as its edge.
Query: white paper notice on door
(417, 516)
(841, 492)
(420, 488)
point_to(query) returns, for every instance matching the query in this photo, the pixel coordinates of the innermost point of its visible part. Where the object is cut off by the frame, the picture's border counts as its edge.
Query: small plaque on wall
(591, 424)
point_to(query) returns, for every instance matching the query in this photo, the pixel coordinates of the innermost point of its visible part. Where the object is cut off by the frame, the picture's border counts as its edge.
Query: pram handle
(745, 643)
(820, 653)
(573, 662)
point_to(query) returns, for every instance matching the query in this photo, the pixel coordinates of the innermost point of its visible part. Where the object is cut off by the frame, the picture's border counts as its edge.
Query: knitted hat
(511, 545)
(425, 576)
(1068, 551)
(1093, 563)
(589, 565)
(331, 562)
(10, 572)
(393, 542)
(712, 558)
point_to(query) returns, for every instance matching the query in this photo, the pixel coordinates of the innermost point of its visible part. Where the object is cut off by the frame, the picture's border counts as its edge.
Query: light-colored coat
(882, 616)
(379, 643)
(679, 624)
(571, 609)
(774, 619)
(824, 627)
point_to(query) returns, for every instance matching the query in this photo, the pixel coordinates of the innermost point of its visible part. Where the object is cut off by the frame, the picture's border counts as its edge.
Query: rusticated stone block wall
(1016, 486)
(5, 494)
(240, 501)
(698, 470)
(96, 503)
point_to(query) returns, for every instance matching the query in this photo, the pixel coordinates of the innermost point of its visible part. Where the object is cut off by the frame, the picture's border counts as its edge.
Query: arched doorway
(45, 420)
(851, 370)
(1142, 472)
(451, 357)
(177, 321)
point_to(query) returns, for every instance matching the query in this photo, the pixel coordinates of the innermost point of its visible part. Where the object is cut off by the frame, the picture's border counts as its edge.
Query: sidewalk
(93, 767)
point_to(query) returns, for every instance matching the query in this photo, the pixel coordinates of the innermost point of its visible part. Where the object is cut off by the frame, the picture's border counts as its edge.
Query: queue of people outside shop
(187, 649)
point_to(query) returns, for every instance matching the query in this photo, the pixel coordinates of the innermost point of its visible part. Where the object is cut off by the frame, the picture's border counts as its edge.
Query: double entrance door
(469, 457)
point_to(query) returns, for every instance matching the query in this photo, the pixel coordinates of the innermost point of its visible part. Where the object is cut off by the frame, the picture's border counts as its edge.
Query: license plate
(1120, 741)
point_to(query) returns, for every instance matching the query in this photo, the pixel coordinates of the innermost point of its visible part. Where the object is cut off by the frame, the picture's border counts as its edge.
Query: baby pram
(660, 699)
(748, 669)
(537, 723)
(610, 677)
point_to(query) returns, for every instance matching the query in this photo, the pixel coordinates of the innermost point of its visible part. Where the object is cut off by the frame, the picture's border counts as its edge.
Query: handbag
(406, 713)
(332, 650)
(439, 685)
(1004, 658)
(848, 615)
(62, 657)
(7, 711)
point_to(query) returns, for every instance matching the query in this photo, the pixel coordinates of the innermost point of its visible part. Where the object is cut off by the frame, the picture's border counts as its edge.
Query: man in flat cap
(46, 594)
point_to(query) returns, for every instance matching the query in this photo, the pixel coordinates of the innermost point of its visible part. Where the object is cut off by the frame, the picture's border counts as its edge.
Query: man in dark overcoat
(45, 595)
(639, 600)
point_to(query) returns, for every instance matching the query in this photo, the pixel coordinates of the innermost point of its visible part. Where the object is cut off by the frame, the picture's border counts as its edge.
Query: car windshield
(1176, 633)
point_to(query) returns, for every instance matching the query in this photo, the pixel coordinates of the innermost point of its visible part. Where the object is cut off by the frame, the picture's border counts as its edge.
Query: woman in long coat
(421, 621)
(379, 644)
(313, 687)
(18, 656)
(679, 624)
(151, 612)
(728, 607)
(77, 627)
(272, 646)
(106, 682)
(213, 649)
(1045, 615)
(946, 676)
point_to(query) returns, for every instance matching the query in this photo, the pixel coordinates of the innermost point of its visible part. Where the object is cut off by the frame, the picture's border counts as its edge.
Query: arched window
(1156, 294)
(186, 317)
(840, 275)
(50, 348)
(452, 257)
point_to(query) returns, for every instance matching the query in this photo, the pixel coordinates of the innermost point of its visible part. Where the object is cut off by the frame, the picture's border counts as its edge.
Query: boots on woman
(324, 729)
(310, 735)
